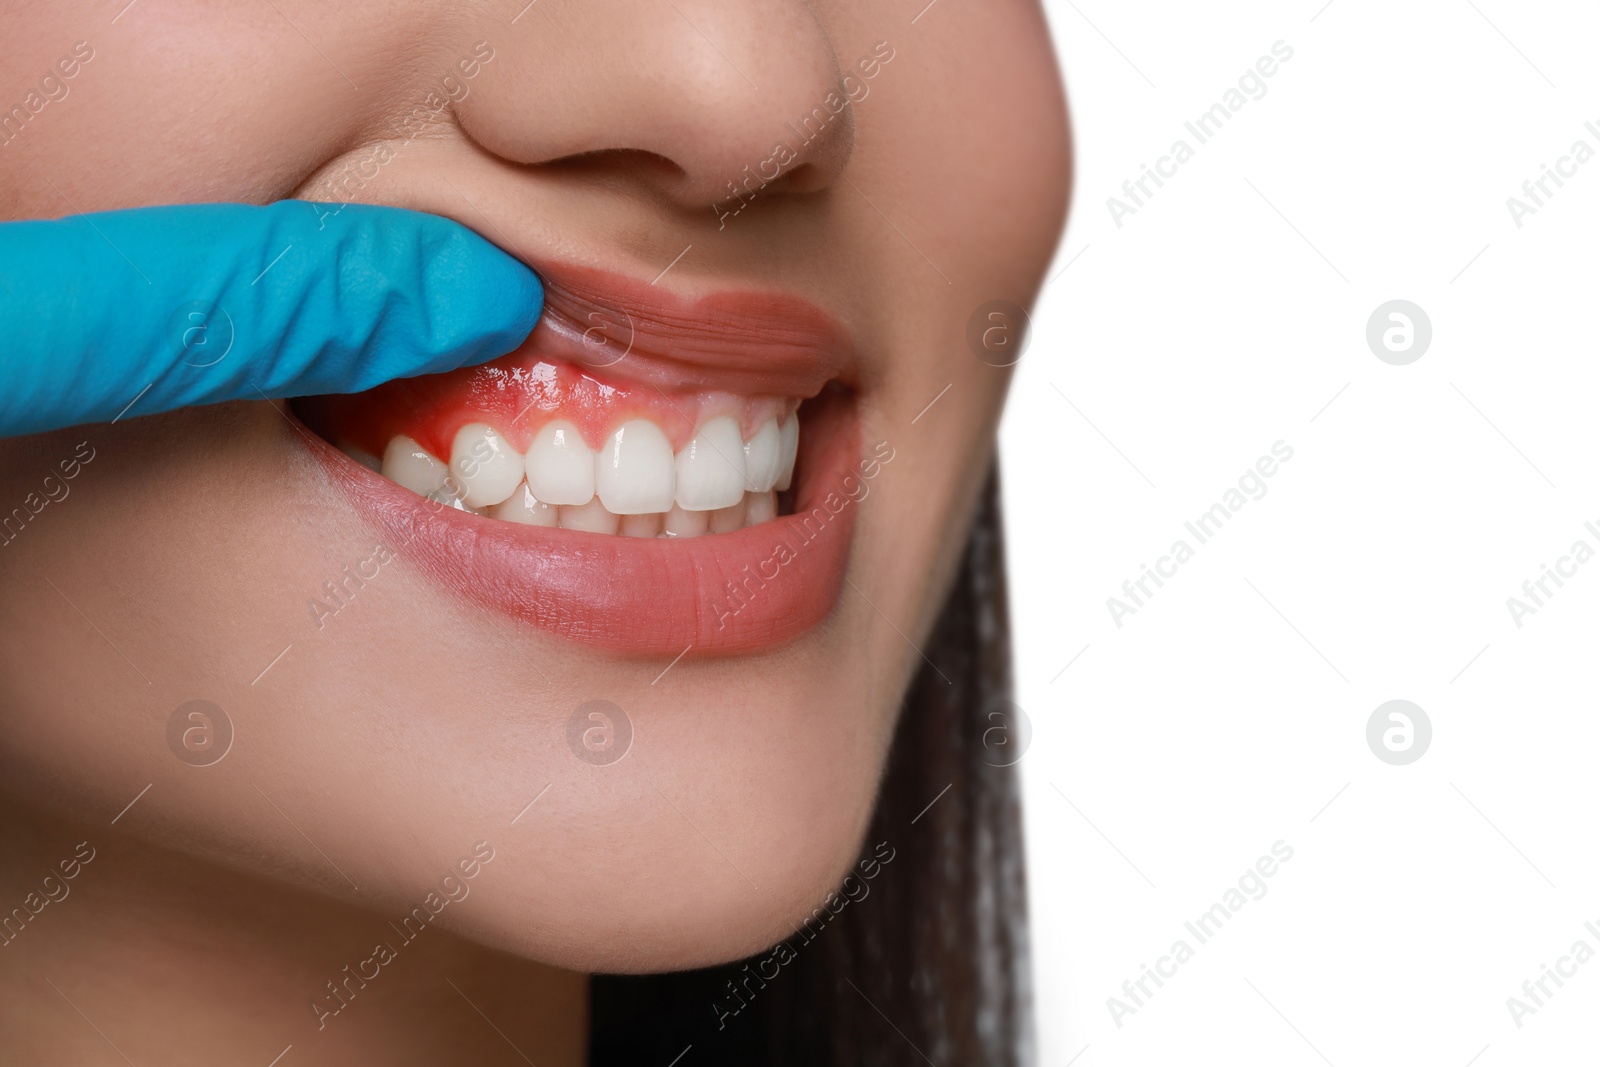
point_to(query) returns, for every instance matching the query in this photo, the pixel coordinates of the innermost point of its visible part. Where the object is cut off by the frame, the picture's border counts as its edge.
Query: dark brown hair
(931, 964)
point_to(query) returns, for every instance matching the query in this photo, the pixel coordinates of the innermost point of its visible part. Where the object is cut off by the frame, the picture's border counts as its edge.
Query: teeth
(365, 458)
(681, 523)
(790, 434)
(485, 465)
(711, 467)
(525, 508)
(635, 472)
(634, 486)
(729, 519)
(590, 518)
(760, 507)
(409, 464)
(640, 526)
(560, 466)
(762, 458)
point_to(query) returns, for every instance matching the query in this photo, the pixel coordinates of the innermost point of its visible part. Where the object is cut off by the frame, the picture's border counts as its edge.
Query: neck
(109, 944)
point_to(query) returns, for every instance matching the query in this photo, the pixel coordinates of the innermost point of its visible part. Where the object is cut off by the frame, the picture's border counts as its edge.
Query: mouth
(648, 474)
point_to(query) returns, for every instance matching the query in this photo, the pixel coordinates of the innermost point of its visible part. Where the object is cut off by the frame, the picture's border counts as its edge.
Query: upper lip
(678, 332)
(738, 340)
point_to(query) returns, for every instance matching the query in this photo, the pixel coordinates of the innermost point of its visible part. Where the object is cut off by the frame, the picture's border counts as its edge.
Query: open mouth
(548, 444)
(645, 473)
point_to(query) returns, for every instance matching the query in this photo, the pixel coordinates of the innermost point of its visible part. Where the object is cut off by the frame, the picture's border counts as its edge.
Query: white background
(1230, 711)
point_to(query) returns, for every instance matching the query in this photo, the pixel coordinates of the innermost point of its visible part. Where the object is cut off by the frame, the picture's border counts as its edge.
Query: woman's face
(775, 202)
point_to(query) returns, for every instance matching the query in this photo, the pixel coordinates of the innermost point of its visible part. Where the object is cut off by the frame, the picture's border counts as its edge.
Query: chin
(666, 909)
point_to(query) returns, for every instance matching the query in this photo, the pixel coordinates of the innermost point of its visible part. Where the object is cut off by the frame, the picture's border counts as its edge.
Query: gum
(518, 397)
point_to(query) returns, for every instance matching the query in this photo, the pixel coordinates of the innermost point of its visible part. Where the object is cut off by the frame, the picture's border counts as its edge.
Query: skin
(413, 725)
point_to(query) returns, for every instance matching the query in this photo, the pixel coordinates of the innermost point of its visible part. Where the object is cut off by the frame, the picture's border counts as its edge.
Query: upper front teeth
(561, 481)
(710, 468)
(633, 475)
(486, 465)
(560, 466)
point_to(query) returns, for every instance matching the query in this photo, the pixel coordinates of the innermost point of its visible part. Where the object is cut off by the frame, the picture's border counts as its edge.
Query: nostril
(632, 162)
(651, 169)
(806, 178)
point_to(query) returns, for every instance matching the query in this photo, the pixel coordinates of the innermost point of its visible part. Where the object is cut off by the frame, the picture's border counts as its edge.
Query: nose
(700, 99)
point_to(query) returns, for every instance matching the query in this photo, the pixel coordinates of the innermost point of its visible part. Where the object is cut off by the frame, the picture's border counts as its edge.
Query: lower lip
(747, 591)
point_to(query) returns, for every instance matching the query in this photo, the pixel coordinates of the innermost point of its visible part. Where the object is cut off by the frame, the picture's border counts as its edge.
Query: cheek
(161, 114)
(1002, 198)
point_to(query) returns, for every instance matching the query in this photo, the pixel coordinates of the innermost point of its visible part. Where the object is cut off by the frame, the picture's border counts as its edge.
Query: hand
(128, 313)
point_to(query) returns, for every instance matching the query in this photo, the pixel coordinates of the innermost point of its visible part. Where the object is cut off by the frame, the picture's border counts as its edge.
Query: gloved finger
(146, 310)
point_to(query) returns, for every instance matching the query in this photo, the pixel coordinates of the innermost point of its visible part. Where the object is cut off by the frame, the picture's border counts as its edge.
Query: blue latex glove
(141, 311)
